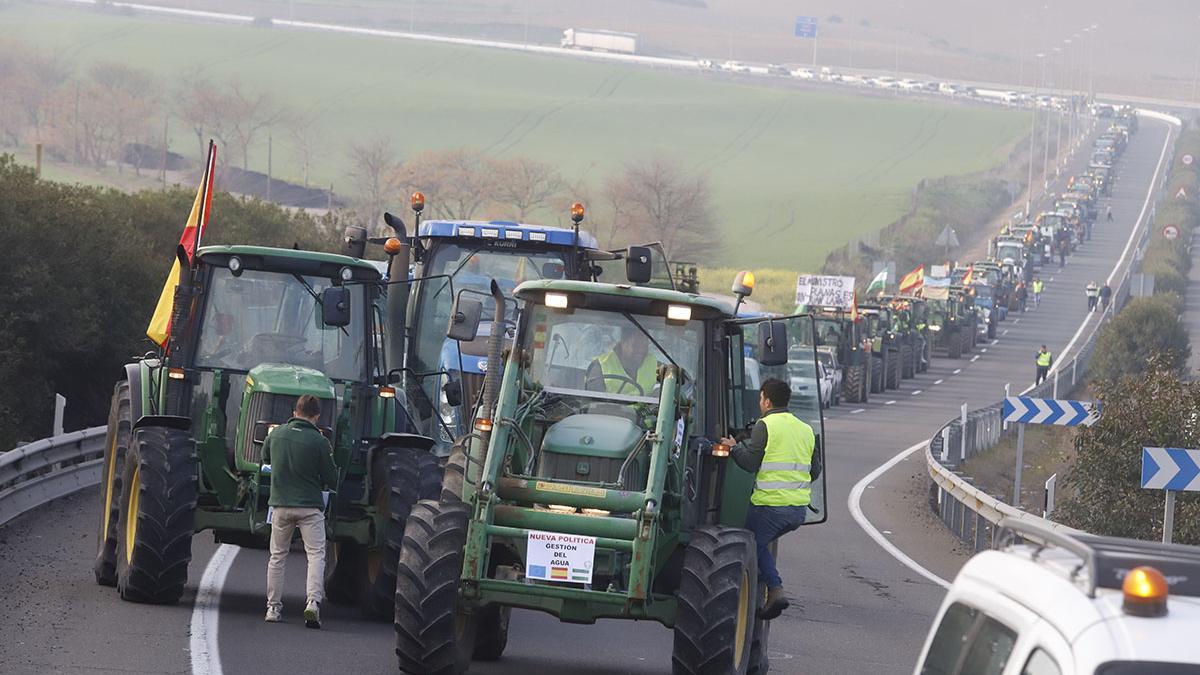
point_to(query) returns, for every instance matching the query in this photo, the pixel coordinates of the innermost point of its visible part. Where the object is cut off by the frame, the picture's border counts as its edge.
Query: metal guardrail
(44, 470)
(970, 513)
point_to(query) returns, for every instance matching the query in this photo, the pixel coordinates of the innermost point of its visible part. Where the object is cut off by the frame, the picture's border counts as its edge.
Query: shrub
(1146, 326)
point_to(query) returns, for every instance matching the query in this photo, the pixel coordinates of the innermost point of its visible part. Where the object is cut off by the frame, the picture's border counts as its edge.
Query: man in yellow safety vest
(780, 452)
(1044, 360)
(627, 368)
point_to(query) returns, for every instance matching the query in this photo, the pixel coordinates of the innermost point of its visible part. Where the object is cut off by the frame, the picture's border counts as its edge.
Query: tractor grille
(266, 409)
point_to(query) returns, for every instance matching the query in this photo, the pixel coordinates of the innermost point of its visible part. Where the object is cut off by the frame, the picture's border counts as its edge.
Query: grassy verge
(1049, 450)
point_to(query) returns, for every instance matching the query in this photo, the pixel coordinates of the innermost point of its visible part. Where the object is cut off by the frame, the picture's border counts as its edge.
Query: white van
(1078, 605)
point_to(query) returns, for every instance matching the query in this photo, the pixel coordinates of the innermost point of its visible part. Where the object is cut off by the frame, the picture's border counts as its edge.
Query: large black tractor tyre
(491, 632)
(854, 386)
(400, 477)
(991, 331)
(893, 370)
(116, 445)
(972, 339)
(433, 637)
(158, 515)
(877, 374)
(926, 355)
(908, 365)
(954, 345)
(717, 599)
(454, 474)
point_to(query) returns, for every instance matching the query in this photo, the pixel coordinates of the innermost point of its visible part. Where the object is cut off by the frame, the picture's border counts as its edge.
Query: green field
(794, 173)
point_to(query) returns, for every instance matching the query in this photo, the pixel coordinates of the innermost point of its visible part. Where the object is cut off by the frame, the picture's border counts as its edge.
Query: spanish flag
(160, 324)
(969, 276)
(913, 281)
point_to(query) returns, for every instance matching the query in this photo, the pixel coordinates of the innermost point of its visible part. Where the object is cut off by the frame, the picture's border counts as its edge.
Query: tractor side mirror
(553, 270)
(772, 344)
(638, 268)
(355, 240)
(453, 391)
(464, 319)
(335, 306)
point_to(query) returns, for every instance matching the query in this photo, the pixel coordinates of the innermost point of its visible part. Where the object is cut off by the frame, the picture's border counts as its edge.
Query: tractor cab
(848, 335)
(596, 485)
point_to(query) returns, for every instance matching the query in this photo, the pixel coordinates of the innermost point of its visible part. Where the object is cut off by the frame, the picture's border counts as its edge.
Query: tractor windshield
(609, 355)
(273, 317)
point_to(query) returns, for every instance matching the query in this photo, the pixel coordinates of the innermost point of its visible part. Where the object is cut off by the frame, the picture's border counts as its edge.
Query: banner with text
(825, 291)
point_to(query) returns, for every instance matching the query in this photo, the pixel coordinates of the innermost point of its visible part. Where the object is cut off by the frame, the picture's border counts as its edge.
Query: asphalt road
(857, 609)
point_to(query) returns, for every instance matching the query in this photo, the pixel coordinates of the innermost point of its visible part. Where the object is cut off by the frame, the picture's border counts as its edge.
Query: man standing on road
(1044, 361)
(302, 466)
(1092, 291)
(1022, 295)
(1037, 291)
(780, 451)
(1105, 297)
(1108, 213)
(1064, 245)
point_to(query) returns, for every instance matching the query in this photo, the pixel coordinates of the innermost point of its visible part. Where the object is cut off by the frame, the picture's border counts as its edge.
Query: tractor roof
(713, 306)
(506, 230)
(316, 263)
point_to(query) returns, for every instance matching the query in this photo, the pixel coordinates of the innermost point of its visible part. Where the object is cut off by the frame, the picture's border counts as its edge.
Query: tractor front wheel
(158, 515)
(399, 477)
(116, 445)
(717, 599)
(908, 368)
(433, 635)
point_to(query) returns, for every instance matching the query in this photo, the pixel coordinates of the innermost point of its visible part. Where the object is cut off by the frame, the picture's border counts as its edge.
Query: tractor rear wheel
(454, 475)
(852, 385)
(717, 597)
(954, 345)
(116, 444)
(759, 662)
(491, 632)
(908, 368)
(893, 370)
(433, 636)
(399, 477)
(877, 375)
(158, 515)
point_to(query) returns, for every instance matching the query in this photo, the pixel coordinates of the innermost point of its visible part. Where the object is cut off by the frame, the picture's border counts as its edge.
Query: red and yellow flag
(160, 324)
(854, 308)
(969, 276)
(912, 282)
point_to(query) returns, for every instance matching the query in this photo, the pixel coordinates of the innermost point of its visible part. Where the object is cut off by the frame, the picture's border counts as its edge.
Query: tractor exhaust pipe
(491, 379)
(397, 296)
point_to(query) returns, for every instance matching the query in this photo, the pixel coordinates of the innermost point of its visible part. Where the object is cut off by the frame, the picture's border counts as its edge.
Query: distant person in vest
(779, 452)
(628, 368)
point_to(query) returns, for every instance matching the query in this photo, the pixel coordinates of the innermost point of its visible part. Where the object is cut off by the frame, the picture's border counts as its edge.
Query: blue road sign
(806, 26)
(1171, 469)
(1028, 410)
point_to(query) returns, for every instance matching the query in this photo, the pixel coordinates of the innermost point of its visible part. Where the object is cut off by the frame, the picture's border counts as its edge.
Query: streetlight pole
(1046, 122)
(1032, 149)
(1061, 97)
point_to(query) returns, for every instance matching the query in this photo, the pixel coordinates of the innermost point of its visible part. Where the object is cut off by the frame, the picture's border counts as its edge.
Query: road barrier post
(1020, 461)
(1007, 393)
(1074, 363)
(945, 444)
(1048, 501)
(1054, 391)
(60, 405)
(962, 455)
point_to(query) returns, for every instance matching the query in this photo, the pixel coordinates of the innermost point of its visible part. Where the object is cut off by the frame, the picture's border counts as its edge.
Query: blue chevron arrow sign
(1028, 410)
(1171, 469)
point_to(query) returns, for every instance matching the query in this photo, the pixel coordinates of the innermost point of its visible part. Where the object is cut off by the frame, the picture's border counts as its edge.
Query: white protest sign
(823, 291)
(567, 558)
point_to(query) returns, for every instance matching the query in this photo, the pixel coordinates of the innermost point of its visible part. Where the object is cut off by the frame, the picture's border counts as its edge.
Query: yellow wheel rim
(743, 619)
(109, 477)
(131, 513)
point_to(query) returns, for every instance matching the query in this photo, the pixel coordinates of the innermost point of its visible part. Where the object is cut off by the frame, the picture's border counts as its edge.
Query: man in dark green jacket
(302, 468)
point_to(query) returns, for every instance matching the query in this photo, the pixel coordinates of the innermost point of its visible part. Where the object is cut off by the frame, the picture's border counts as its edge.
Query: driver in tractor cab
(627, 368)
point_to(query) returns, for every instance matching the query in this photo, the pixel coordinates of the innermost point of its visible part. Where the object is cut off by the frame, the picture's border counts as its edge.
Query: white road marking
(939, 382)
(857, 410)
(994, 341)
(983, 351)
(1005, 331)
(206, 654)
(854, 502)
(888, 402)
(974, 358)
(915, 392)
(1016, 321)
(957, 371)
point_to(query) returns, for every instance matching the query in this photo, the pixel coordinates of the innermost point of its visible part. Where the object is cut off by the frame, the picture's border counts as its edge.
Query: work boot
(775, 604)
(274, 615)
(312, 614)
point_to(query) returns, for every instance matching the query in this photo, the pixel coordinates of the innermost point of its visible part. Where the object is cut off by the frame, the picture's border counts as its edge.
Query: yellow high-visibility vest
(1043, 359)
(646, 377)
(785, 475)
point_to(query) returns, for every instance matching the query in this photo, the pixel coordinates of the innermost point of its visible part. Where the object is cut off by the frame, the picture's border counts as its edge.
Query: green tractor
(591, 495)
(254, 328)
(911, 325)
(836, 328)
(951, 326)
(888, 347)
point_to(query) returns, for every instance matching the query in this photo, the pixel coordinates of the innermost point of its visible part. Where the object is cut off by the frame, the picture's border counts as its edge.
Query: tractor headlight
(935, 329)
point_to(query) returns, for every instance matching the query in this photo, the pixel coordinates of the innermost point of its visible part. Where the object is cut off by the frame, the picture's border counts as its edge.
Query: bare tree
(659, 200)
(375, 169)
(114, 107)
(202, 106)
(30, 81)
(304, 139)
(459, 183)
(526, 185)
(248, 114)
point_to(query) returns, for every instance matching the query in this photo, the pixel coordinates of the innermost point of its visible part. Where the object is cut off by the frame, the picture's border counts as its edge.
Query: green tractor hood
(268, 399)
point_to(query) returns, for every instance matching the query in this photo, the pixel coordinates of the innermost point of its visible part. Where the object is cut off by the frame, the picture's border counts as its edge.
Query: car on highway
(1074, 604)
(803, 74)
(809, 379)
(827, 356)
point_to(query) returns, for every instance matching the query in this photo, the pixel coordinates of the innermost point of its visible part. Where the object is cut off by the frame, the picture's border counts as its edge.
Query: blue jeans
(769, 523)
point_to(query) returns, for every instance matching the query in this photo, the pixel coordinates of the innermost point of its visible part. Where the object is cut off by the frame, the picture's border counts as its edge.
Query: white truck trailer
(600, 40)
